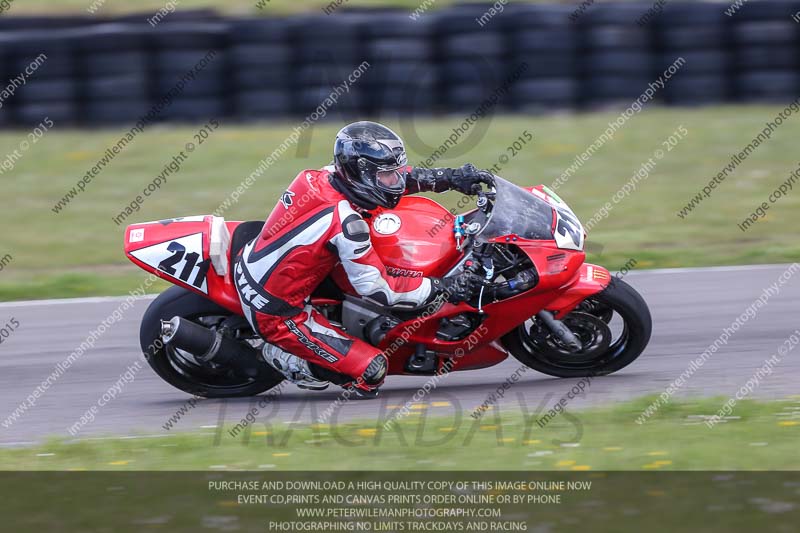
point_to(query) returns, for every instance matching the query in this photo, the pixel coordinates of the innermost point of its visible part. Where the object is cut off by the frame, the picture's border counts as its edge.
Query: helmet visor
(390, 179)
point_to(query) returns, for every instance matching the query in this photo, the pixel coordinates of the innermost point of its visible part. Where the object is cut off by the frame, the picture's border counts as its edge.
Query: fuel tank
(415, 238)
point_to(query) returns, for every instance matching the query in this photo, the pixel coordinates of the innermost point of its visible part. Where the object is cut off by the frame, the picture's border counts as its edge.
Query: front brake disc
(592, 331)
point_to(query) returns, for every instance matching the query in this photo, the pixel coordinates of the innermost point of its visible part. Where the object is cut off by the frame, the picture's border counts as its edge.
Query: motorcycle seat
(244, 233)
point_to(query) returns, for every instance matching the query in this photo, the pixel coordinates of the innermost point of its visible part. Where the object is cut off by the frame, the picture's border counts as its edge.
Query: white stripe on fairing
(309, 235)
(634, 272)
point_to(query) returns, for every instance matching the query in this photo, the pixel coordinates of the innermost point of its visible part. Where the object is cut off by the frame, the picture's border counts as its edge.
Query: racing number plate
(181, 259)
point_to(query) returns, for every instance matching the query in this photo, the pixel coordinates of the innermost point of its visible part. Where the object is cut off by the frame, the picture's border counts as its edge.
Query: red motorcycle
(540, 301)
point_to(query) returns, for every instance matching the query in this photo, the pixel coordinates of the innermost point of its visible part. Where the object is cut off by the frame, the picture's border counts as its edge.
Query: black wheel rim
(585, 321)
(205, 375)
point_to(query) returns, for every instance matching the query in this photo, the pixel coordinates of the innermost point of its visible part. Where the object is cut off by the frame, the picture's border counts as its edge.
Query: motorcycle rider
(319, 222)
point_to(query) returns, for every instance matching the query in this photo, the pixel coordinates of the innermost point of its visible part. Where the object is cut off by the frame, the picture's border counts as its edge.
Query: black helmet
(370, 160)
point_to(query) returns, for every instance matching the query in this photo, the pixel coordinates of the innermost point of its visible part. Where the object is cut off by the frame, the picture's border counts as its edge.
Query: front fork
(560, 330)
(592, 279)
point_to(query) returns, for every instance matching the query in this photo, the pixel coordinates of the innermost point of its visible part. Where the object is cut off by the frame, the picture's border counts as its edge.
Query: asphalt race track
(690, 308)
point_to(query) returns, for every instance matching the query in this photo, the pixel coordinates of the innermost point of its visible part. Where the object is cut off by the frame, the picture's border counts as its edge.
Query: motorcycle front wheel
(613, 326)
(181, 369)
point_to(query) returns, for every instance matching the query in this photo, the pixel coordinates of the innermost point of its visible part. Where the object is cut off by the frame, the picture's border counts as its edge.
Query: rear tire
(618, 297)
(179, 370)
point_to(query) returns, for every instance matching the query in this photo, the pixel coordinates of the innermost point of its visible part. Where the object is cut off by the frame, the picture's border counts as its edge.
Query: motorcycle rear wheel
(180, 369)
(538, 349)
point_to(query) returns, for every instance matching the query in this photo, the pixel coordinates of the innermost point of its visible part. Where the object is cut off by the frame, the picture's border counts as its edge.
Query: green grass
(79, 251)
(237, 7)
(435, 438)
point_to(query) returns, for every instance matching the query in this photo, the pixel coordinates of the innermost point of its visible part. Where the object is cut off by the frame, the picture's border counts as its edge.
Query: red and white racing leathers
(311, 229)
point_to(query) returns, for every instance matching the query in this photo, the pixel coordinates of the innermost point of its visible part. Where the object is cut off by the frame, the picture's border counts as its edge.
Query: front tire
(180, 369)
(604, 352)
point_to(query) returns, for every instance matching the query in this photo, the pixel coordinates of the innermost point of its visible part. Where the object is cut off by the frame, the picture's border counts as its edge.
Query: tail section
(191, 252)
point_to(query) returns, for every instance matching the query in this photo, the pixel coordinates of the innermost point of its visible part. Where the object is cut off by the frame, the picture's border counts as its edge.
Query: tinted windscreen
(519, 211)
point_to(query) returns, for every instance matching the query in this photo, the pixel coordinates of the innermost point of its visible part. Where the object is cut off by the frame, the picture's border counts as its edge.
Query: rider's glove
(459, 288)
(464, 179)
(467, 179)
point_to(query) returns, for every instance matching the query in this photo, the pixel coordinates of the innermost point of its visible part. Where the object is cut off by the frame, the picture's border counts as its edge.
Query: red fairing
(591, 280)
(564, 282)
(413, 241)
(416, 238)
(178, 251)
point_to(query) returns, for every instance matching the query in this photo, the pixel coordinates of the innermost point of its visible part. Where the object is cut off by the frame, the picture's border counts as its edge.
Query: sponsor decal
(309, 179)
(286, 199)
(403, 272)
(137, 235)
(308, 343)
(248, 294)
(180, 259)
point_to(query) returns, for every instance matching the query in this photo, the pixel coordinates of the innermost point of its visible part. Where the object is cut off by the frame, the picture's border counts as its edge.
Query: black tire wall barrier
(101, 71)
